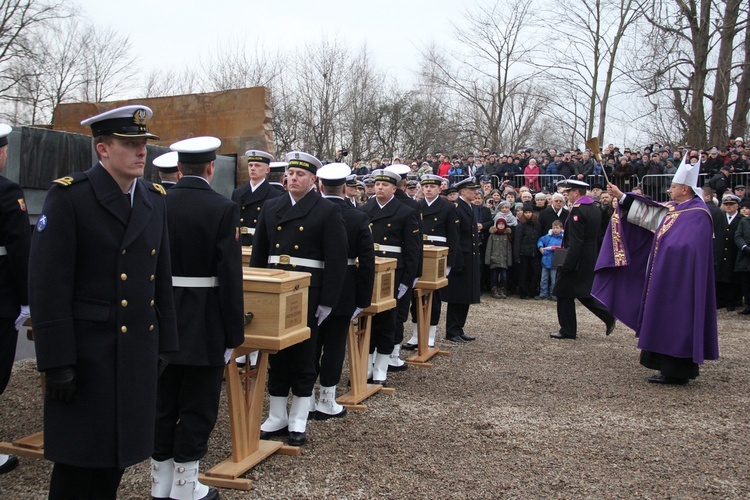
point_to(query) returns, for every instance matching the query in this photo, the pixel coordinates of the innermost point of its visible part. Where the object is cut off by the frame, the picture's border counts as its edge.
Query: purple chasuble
(661, 284)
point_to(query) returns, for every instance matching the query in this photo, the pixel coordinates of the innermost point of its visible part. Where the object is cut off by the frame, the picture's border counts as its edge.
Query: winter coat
(549, 240)
(524, 241)
(741, 239)
(499, 253)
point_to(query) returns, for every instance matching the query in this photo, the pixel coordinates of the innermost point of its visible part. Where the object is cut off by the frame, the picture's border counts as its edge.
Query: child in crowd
(499, 256)
(547, 245)
(504, 212)
(525, 253)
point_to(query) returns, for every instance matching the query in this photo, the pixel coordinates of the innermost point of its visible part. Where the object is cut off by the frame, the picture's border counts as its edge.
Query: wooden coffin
(382, 290)
(433, 268)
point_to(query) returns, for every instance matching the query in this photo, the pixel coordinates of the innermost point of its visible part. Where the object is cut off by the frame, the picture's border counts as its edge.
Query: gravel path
(513, 414)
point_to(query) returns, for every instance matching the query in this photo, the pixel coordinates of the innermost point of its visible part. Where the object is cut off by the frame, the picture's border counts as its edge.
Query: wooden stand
(433, 278)
(31, 446)
(358, 339)
(245, 416)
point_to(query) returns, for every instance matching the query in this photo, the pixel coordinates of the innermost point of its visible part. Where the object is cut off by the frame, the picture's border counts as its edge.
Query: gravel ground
(513, 414)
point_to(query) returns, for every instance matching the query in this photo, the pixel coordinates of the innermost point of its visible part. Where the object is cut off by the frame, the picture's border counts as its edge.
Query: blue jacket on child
(549, 240)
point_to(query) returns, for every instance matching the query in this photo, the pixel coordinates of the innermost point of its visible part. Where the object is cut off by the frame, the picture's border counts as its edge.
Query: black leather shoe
(611, 327)
(559, 336)
(456, 340)
(745, 311)
(9, 465)
(296, 438)
(468, 338)
(730, 308)
(213, 494)
(269, 434)
(312, 415)
(401, 368)
(409, 347)
(325, 416)
(661, 379)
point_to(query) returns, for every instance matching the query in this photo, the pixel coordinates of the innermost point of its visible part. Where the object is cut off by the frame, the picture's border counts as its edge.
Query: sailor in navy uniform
(100, 286)
(300, 231)
(275, 177)
(439, 228)
(463, 281)
(166, 165)
(15, 238)
(252, 196)
(352, 190)
(206, 254)
(355, 295)
(395, 231)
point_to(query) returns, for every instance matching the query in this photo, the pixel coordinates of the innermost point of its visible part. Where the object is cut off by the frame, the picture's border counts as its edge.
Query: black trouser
(187, 404)
(331, 349)
(566, 313)
(530, 271)
(728, 294)
(82, 483)
(455, 319)
(434, 312)
(745, 282)
(8, 340)
(293, 368)
(384, 323)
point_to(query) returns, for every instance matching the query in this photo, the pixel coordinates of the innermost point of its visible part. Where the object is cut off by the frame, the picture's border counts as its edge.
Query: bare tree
(234, 65)
(110, 67)
(742, 105)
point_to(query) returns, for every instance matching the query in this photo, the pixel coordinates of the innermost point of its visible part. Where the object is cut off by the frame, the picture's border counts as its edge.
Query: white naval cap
(5, 130)
(167, 162)
(259, 156)
(399, 168)
(572, 184)
(305, 161)
(386, 175)
(334, 174)
(125, 121)
(278, 166)
(196, 149)
(468, 183)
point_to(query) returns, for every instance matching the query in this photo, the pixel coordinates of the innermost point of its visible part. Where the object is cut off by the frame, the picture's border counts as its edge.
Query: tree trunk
(742, 106)
(720, 107)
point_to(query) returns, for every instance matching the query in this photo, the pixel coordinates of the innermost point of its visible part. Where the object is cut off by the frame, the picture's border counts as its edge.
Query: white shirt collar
(253, 187)
(387, 202)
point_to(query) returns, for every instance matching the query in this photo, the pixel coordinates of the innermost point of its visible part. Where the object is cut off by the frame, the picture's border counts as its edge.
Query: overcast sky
(172, 32)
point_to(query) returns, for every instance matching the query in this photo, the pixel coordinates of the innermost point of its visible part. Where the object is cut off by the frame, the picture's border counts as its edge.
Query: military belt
(297, 261)
(441, 239)
(247, 230)
(387, 248)
(195, 282)
(3, 251)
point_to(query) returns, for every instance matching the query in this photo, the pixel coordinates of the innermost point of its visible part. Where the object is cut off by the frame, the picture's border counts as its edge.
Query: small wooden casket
(382, 290)
(277, 300)
(433, 268)
(246, 252)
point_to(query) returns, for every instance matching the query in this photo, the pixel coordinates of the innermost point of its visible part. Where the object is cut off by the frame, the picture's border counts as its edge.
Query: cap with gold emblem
(429, 179)
(256, 155)
(125, 121)
(386, 176)
(305, 161)
(468, 183)
(166, 163)
(196, 149)
(5, 130)
(351, 180)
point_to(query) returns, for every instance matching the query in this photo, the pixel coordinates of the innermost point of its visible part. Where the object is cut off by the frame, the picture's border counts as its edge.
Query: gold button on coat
(278, 228)
(124, 303)
(153, 251)
(301, 228)
(151, 303)
(151, 278)
(151, 328)
(124, 329)
(123, 276)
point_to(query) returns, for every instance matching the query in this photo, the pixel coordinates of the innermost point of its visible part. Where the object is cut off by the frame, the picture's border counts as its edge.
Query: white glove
(356, 313)
(402, 289)
(227, 356)
(322, 313)
(25, 314)
(415, 282)
(447, 270)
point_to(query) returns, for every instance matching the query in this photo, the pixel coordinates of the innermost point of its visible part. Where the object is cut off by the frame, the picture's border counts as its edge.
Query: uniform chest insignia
(575, 217)
(22, 204)
(41, 223)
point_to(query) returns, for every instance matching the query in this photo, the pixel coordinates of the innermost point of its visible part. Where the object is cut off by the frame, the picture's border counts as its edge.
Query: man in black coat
(463, 282)
(15, 239)
(556, 211)
(728, 288)
(576, 274)
(255, 193)
(300, 231)
(206, 255)
(100, 286)
(440, 228)
(356, 293)
(395, 231)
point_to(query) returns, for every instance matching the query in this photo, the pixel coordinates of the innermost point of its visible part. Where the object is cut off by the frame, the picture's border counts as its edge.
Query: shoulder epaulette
(69, 179)
(153, 186)
(576, 205)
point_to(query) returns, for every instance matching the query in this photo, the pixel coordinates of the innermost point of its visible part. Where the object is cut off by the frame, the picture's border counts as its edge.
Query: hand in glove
(25, 314)
(322, 313)
(356, 313)
(227, 355)
(61, 383)
(402, 289)
(746, 249)
(415, 282)
(447, 271)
